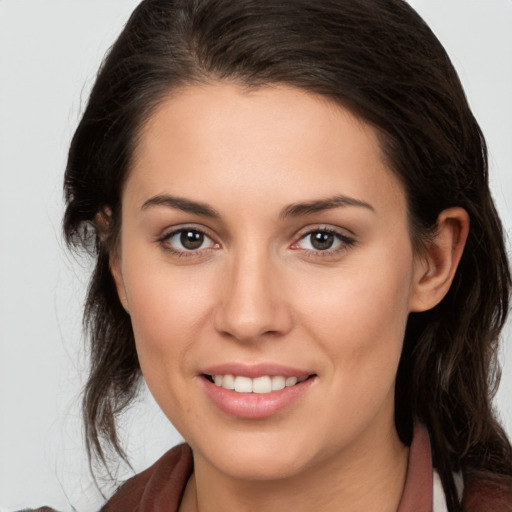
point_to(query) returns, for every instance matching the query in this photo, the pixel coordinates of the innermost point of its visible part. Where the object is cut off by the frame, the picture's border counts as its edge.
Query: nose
(252, 302)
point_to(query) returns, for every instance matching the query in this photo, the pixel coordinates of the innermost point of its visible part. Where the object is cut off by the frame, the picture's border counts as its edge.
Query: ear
(103, 224)
(437, 263)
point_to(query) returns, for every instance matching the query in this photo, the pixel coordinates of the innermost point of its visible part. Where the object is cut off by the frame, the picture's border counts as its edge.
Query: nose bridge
(252, 303)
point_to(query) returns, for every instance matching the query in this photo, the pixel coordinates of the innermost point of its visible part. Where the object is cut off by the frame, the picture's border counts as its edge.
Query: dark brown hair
(378, 59)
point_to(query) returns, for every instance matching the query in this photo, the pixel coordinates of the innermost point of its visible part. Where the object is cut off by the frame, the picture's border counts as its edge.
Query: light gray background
(49, 53)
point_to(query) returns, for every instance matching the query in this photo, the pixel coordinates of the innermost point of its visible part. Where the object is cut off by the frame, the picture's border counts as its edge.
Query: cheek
(362, 333)
(167, 308)
(359, 317)
(359, 305)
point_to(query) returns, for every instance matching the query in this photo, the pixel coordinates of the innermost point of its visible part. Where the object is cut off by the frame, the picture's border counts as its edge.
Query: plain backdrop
(49, 53)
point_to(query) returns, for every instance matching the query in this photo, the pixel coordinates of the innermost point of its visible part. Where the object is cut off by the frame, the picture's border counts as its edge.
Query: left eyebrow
(309, 207)
(180, 203)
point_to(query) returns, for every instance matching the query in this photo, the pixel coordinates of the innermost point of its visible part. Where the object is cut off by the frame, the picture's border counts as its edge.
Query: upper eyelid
(164, 241)
(307, 230)
(346, 241)
(172, 230)
(301, 233)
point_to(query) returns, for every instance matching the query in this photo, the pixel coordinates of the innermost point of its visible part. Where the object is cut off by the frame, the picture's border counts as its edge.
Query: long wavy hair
(378, 59)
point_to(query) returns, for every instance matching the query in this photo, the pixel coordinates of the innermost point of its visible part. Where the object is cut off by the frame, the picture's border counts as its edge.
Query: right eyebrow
(310, 207)
(179, 203)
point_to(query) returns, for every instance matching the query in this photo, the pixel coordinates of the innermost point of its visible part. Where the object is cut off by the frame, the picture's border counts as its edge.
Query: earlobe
(436, 266)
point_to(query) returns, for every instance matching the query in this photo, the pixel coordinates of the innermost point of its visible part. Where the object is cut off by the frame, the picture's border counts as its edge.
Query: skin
(258, 291)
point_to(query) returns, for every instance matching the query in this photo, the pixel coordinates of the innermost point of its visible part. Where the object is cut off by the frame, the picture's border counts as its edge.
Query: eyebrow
(309, 207)
(293, 210)
(179, 203)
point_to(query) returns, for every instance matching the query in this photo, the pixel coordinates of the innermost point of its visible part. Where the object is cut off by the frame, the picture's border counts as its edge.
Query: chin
(256, 457)
(260, 456)
(258, 466)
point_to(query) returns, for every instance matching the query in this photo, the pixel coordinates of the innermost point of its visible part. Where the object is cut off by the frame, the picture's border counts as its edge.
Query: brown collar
(417, 495)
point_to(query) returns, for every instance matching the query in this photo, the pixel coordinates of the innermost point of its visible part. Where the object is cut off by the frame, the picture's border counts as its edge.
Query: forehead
(212, 139)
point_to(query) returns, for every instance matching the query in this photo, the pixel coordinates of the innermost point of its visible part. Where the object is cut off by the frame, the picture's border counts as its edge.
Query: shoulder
(157, 488)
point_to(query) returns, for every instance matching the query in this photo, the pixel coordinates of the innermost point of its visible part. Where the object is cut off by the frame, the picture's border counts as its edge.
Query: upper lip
(254, 370)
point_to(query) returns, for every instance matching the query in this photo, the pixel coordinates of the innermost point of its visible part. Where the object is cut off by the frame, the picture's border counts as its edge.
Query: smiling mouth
(259, 385)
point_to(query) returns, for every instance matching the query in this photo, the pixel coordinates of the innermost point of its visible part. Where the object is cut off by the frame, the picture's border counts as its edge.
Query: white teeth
(278, 383)
(264, 384)
(228, 382)
(243, 384)
(291, 381)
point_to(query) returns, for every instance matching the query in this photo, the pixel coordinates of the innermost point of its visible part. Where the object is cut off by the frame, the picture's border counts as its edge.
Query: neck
(369, 478)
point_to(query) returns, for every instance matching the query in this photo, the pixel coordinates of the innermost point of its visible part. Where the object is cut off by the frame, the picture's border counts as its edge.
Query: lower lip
(255, 405)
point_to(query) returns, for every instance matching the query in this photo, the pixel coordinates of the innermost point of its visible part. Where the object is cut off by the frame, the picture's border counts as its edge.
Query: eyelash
(165, 242)
(345, 242)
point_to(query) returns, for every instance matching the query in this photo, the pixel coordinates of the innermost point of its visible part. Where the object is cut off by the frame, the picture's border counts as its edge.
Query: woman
(297, 249)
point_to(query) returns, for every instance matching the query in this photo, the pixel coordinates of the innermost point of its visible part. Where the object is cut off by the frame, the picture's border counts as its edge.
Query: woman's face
(264, 242)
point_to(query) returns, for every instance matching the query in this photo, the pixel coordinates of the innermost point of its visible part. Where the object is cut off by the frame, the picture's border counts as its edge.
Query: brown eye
(191, 240)
(322, 240)
(187, 240)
